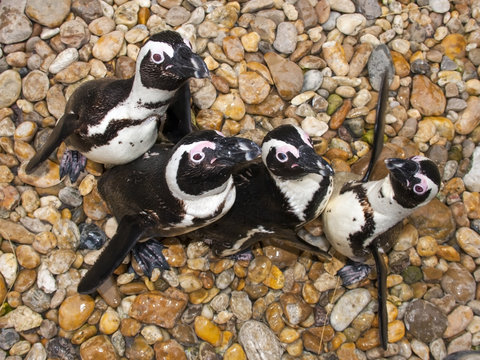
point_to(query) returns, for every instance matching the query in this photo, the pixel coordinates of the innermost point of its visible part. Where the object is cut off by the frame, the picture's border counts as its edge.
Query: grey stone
(380, 61)
(369, 8)
(286, 39)
(425, 321)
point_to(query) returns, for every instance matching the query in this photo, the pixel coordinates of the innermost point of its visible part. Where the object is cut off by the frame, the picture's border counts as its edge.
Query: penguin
(168, 192)
(360, 212)
(112, 121)
(276, 196)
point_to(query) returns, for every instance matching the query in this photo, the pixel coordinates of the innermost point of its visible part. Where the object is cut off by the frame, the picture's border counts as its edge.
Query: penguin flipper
(179, 117)
(382, 295)
(379, 129)
(130, 230)
(65, 127)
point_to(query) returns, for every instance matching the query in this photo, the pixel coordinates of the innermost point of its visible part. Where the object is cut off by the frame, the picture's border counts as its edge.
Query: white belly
(129, 144)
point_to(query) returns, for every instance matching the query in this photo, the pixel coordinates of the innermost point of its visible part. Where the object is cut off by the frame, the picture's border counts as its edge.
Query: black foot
(149, 256)
(353, 273)
(72, 164)
(243, 255)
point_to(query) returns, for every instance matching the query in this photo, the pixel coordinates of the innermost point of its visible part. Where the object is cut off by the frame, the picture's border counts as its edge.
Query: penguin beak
(233, 150)
(402, 169)
(187, 64)
(311, 162)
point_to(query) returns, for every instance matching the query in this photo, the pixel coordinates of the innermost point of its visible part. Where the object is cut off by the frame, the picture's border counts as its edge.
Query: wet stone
(169, 349)
(70, 196)
(98, 347)
(91, 237)
(162, 309)
(74, 311)
(458, 282)
(295, 309)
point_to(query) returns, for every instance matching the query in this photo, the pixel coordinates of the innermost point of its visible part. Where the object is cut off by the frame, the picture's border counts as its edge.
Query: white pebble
(472, 178)
(8, 268)
(65, 58)
(314, 127)
(45, 280)
(348, 307)
(351, 24)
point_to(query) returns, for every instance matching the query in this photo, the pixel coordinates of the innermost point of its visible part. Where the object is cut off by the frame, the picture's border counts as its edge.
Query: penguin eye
(282, 157)
(419, 189)
(157, 58)
(197, 157)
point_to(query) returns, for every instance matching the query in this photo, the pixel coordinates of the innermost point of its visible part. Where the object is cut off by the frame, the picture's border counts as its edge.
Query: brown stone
(287, 76)
(74, 311)
(159, 308)
(454, 46)
(427, 97)
(339, 116)
(98, 348)
(434, 219)
(402, 67)
(169, 350)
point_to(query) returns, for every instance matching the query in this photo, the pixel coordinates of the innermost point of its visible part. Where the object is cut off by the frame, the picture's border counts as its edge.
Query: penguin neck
(151, 97)
(298, 193)
(211, 203)
(381, 198)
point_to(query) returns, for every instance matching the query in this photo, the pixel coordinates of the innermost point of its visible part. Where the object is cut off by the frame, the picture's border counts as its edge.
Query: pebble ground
(272, 62)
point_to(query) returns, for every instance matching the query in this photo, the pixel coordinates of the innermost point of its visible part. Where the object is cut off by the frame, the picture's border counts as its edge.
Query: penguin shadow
(365, 214)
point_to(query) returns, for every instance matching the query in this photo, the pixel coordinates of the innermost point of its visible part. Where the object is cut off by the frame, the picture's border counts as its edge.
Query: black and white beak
(311, 162)
(231, 150)
(402, 169)
(187, 64)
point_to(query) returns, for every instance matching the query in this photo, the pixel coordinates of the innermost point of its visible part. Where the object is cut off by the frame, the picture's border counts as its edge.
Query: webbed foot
(353, 273)
(149, 256)
(72, 164)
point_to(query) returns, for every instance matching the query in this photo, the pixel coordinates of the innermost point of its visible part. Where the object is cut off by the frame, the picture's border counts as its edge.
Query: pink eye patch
(201, 145)
(421, 188)
(288, 148)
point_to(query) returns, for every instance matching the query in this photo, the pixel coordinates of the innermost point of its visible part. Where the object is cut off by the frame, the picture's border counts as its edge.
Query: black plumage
(114, 121)
(149, 198)
(274, 197)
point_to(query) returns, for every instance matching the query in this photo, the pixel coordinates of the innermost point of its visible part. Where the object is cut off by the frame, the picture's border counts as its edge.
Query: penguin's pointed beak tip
(238, 149)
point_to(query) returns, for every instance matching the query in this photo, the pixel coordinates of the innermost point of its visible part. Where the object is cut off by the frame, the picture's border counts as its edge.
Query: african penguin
(168, 192)
(275, 196)
(360, 213)
(113, 121)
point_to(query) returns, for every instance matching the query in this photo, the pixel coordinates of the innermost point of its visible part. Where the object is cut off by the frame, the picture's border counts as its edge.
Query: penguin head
(288, 153)
(166, 61)
(203, 161)
(415, 181)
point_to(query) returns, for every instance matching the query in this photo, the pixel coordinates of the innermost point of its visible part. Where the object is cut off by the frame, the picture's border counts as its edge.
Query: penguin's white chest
(342, 217)
(130, 143)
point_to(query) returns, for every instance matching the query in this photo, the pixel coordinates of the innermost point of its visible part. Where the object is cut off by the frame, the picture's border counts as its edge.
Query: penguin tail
(64, 127)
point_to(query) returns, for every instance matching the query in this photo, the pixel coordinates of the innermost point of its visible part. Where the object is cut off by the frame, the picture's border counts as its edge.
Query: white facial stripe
(303, 136)
(267, 146)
